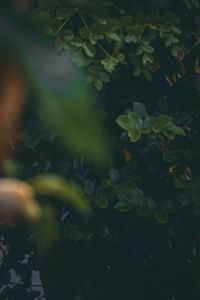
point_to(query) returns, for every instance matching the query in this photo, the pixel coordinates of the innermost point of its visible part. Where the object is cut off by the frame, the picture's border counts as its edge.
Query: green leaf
(137, 71)
(131, 194)
(90, 79)
(79, 59)
(105, 77)
(113, 36)
(84, 32)
(101, 202)
(66, 36)
(147, 125)
(77, 42)
(123, 206)
(138, 122)
(89, 50)
(147, 74)
(140, 110)
(114, 175)
(94, 70)
(175, 51)
(169, 134)
(73, 118)
(57, 187)
(134, 134)
(142, 212)
(109, 63)
(130, 121)
(161, 122)
(75, 235)
(125, 122)
(89, 187)
(161, 216)
(170, 41)
(147, 59)
(139, 50)
(148, 48)
(130, 39)
(98, 84)
(44, 230)
(176, 30)
(177, 130)
(31, 140)
(133, 124)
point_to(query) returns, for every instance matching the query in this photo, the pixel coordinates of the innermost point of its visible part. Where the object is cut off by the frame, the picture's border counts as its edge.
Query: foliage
(57, 187)
(102, 42)
(140, 239)
(150, 125)
(56, 83)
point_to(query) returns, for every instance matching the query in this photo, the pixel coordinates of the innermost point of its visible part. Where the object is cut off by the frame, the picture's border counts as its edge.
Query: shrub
(141, 239)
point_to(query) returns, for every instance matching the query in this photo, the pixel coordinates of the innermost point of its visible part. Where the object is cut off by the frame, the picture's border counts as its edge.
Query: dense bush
(141, 240)
(119, 43)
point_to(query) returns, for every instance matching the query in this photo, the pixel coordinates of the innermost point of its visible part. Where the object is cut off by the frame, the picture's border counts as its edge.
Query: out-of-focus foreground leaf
(56, 186)
(64, 99)
(12, 98)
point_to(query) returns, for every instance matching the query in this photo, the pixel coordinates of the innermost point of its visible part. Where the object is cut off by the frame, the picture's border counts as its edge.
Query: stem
(120, 10)
(111, 4)
(62, 25)
(104, 50)
(84, 21)
(98, 44)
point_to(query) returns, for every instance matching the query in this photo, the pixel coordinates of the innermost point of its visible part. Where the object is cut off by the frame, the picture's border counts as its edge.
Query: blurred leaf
(74, 119)
(65, 101)
(142, 212)
(130, 121)
(89, 50)
(131, 194)
(123, 206)
(44, 230)
(57, 187)
(31, 141)
(134, 135)
(140, 110)
(161, 216)
(89, 187)
(161, 122)
(114, 175)
(102, 202)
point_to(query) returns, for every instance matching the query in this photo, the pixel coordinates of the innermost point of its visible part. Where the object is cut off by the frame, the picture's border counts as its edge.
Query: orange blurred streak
(127, 155)
(12, 99)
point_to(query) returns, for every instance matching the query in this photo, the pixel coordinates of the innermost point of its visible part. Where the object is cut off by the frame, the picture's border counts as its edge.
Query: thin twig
(62, 25)
(98, 44)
